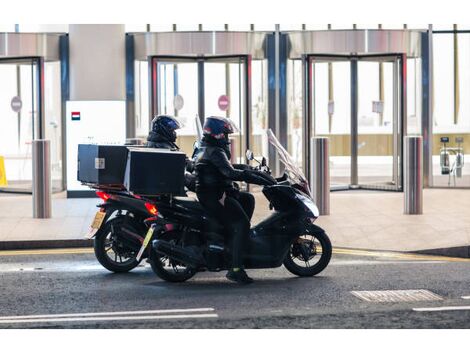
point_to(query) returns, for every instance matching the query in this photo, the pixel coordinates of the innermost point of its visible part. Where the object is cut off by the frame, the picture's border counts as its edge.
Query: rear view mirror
(249, 155)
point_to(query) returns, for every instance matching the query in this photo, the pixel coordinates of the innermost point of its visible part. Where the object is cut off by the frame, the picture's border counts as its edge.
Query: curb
(45, 244)
(458, 252)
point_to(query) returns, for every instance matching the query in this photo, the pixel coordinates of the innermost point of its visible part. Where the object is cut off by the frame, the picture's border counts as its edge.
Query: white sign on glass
(16, 104)
(378, 107)
(178, 102)
(331, 107)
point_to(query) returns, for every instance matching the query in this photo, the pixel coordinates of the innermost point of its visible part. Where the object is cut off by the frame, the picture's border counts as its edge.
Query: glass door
(359, 102)
(379, 122)
(187, 87)
(331, 113)
(18, 110)
(175, 93)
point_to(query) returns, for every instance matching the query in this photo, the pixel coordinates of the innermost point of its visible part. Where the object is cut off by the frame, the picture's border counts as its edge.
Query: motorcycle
(288, 236)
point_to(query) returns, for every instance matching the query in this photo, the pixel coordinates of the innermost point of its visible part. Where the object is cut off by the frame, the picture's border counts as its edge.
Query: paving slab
(359, 219)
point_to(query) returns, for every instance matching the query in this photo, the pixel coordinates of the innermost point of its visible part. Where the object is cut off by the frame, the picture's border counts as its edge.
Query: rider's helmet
(165, 126)
(218, 128)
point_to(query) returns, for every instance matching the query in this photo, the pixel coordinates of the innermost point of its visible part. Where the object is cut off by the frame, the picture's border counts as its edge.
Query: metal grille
(397, 296)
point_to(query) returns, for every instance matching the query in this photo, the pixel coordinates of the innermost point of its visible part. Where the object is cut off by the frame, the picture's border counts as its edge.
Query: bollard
(320, 172)
(413, 175)
(42, 179)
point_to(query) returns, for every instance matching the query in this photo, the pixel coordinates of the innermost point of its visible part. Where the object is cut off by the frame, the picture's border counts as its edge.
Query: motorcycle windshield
(293, 171)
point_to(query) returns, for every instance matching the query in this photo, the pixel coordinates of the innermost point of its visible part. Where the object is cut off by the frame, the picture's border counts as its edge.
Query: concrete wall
(97, 62)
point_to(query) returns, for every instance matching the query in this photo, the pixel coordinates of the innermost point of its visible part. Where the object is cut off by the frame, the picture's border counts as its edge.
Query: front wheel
(308, 254)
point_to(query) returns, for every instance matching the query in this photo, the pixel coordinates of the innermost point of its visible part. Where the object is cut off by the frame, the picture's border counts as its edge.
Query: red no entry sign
(223, 102)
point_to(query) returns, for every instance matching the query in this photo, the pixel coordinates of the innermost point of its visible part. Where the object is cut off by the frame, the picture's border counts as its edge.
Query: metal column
(413, 177)
(354, 123)
(42, 179)
(40, 123)
(200, 91)
(321, 173)
(153, 86)
(130, 90)
(307, 85)
(426, 118)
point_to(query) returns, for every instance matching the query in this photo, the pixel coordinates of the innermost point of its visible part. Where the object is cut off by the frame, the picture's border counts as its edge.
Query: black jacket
(155, 140)
(215, 173)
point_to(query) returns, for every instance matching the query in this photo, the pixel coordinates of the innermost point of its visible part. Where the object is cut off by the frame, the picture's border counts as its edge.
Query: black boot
(240, 276)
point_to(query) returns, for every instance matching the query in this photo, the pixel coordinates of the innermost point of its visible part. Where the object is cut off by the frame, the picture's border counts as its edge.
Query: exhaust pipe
(183, 255)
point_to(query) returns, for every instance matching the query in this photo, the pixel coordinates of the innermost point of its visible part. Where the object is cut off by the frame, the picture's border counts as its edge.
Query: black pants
(234, 218)
(247, 202)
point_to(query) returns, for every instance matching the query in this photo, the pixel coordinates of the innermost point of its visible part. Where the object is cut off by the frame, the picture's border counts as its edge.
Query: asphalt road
(69, 289)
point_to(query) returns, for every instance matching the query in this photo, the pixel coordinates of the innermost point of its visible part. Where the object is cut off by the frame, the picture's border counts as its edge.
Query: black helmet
(218, 128)
(165, 126)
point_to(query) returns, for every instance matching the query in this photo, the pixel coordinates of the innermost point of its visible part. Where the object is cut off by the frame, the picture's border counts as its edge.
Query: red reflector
(152, 209)
(104, 196)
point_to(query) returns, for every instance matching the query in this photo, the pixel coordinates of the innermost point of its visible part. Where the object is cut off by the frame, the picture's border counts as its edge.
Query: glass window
(44, 28)
(451, 109)
(135, 28)
(7, 27)
(294, 109)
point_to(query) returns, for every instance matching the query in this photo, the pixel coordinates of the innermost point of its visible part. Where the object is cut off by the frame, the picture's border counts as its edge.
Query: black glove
(258, 178)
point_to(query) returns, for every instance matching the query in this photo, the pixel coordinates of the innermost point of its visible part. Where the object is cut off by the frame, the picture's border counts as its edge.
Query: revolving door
(365, 126)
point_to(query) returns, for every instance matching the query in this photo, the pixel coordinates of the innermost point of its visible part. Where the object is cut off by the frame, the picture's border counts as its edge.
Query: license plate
(147, 239)
(98, 220)
(96, 224)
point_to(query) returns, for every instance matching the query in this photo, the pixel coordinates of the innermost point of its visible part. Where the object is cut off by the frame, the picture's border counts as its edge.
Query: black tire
(157, 262)
(319, 266)
(104, 244)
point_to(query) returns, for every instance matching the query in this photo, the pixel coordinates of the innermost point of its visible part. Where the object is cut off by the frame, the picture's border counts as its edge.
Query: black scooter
(287, 236)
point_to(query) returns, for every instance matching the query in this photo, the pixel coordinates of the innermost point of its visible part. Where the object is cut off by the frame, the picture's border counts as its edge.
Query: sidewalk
(359, 219)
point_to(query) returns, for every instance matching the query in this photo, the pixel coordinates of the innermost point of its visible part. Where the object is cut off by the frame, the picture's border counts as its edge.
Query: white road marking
(466, 297)
(397, 296)
(118, 318)
(440, 309)
(379, 262)
(98, 314)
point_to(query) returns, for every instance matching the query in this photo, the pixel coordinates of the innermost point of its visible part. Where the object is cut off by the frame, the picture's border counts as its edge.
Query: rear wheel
(168, 269)
(111, 251)
(308, 254)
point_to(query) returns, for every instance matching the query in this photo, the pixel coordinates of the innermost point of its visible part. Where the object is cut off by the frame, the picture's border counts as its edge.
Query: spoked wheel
(168, 269)
(308, 254)
(111, 251)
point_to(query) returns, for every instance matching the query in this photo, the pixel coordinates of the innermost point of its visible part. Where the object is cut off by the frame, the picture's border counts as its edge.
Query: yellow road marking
(346, 251)
(47, 251)
(398, 255)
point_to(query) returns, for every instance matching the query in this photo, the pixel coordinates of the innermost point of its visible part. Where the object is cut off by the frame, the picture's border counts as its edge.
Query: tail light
(151, 208)
(103, 195)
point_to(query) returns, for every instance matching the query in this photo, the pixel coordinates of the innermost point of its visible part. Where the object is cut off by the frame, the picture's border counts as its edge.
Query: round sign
(178, 102)
(223, 102)
(16, 104)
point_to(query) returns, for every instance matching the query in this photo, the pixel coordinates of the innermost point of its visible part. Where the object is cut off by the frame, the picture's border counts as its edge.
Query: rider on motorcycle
(163, 135)
(217, 193)
(163, 132)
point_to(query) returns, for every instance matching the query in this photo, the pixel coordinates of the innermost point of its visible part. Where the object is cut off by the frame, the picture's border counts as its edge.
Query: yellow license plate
(98, 220)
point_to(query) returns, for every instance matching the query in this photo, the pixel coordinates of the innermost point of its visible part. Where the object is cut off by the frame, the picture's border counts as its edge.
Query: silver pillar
(320, 173)
(42, 178)
(413, 175)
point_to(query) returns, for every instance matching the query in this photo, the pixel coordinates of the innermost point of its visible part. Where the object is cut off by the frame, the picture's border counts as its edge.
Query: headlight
(309, 204)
